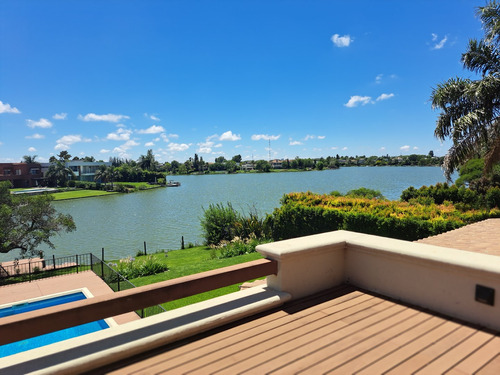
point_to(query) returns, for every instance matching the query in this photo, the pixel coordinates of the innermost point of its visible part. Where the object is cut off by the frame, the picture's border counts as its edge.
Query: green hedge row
(304, 214)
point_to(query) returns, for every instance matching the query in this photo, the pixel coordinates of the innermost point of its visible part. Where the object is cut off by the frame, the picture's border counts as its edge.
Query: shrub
(365, 193)
(303, 214)
(71, 183)
(219, 223)
(493, 197)
(131, 268)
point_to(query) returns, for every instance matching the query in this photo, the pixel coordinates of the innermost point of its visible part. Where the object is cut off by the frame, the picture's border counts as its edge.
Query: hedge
(303, 214)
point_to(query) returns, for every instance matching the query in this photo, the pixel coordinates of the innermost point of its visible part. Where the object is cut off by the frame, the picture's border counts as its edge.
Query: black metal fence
(27, 270)
(22, 270)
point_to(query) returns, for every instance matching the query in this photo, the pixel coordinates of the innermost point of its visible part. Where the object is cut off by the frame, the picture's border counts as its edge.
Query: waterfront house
(21, 175)
(83, 170)
(334, 302)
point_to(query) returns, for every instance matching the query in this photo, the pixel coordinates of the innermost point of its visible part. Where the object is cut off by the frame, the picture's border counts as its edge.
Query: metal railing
(34, 323)
(27, 270)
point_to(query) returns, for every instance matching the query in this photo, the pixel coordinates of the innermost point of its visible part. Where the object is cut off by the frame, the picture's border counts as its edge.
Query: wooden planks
(343, 330)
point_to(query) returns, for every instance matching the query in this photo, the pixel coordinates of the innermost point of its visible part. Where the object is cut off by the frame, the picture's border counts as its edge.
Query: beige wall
(441, 279)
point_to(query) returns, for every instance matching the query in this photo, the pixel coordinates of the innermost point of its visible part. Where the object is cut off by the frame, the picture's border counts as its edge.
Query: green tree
(147, 162)
(64, 156)
(236, 158)
(58, 173)
(28, 221)
(262, 166)
(29, 159)
(470, 108)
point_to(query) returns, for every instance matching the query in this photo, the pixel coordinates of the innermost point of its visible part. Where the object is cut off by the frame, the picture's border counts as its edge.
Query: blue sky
(315, 78)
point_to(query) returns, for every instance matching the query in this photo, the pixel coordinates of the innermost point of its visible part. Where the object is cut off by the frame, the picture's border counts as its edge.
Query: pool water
(52, 337)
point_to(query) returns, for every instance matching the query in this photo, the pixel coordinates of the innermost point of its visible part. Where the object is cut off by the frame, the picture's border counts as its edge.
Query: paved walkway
(37, 288)
(480, 237)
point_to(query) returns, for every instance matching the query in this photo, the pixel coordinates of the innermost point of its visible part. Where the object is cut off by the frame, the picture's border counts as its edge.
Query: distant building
(277, 163)
(83, 170)
(21, 174)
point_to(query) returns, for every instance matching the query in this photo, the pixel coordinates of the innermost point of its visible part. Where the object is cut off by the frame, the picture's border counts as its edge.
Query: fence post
(91, 263)
(29, 269)
(182, 243)
(102, 264)
(119, 283)
(76, 263)
(145, 250)
(54, 261)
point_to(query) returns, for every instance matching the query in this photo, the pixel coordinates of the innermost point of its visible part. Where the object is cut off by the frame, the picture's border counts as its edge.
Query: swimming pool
(49, 338)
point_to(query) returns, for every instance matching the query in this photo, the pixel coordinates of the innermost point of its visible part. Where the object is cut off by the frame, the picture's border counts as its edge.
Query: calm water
(121, 223)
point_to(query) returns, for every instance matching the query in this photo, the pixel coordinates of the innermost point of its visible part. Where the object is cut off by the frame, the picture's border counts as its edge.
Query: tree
(28, 221)
(58, 173)
(64, 155)
(236, 158)
(147, 162)
(470, 108)
(28, 159)
(263, 166)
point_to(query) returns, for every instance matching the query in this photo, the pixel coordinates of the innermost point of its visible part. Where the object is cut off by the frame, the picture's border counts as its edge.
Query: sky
(278, 78)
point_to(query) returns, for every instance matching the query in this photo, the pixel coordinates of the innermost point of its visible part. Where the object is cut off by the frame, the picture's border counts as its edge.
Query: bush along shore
(303, 214)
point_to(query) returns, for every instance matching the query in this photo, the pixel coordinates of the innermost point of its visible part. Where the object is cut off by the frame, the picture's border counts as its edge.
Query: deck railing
(34, 323)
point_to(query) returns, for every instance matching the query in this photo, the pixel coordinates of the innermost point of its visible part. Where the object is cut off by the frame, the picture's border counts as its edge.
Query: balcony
(334, 302)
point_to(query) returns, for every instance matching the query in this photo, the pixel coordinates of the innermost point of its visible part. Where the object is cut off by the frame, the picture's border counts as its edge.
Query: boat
(172, 183)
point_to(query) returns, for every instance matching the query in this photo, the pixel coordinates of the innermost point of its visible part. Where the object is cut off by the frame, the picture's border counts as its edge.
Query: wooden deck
(344, 330)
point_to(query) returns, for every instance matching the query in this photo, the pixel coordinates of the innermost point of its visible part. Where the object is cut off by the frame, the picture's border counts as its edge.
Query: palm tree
(58, 173)
(470, 108)
(29, 159)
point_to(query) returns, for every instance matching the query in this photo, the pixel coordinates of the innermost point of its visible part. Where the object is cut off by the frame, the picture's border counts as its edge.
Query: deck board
(344, 330)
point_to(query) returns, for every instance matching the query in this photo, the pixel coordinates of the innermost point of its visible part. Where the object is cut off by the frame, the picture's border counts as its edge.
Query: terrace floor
(343, 330)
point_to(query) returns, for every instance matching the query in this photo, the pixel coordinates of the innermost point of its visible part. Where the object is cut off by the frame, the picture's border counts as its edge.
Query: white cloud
(439, 44)
(149, 144)
(109, 117)
(378, 78)
(404, 148)
(104, 151)
(7, 108)
(155, 129)
(31, 149)
(174, 136)
(295, 143)
(382, 148)
(344, 148)
(152, 117)
(356, 100)
(70, 139)
(229, 136)
(35, 136)
(321, 136)
(42, 123)
(258, 137)
(129, 144)
(384, 97)
(308, 137)
(178, 146)
(61, 146)
(120, 135)
(60, 116)
(341, 41)
(415, 148)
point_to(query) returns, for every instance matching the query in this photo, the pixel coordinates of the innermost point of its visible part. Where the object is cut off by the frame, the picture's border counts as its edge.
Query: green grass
(74, 194)
(188, 262)
(138, 185)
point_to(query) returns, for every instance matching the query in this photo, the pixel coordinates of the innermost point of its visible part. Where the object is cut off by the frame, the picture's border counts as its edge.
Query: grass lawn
(188, 262)
(74, 194)
(138, 185)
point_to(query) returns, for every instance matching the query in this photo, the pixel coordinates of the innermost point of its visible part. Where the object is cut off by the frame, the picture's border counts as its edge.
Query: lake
(121, 223)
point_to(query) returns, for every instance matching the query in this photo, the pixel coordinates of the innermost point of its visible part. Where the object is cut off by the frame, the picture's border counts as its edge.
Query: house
(21, 175)
(339, 302)
(83, 170)
(276, 163)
